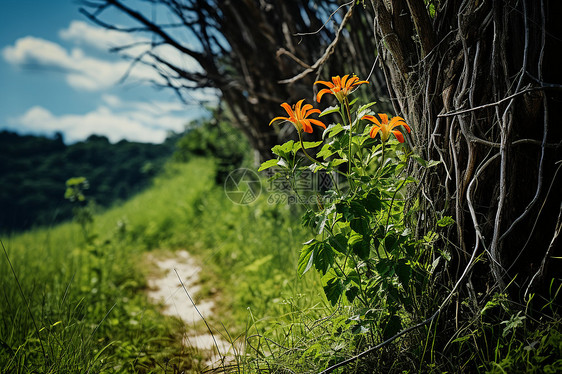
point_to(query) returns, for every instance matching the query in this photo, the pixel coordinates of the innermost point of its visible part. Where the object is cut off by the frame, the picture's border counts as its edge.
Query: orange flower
(386, 127)
(339, 87)
(298, 116)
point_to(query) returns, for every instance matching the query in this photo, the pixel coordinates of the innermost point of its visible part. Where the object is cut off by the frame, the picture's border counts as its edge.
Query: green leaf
(432, 10)
(331, 109)
(336, 162)
(404, 272)
(100, 352)
(257, 264)
(393, 326)
(360, 226)
(339, 243)
(334, 130)
(308, 145)
(268, 164)
(362, 247)
(359, 329)
(357, 209)
(333, 288)
(353, 101)
(283, 150)
(445, 221)
(433, 163)
(323, 257)
(462, 338)
(325, 152)
(372, 202)
(344, 210)
(393, 242)
(366, 106)
(354, 239)
(351, 293)
(424, 163)
(306, 259)
(384, 268)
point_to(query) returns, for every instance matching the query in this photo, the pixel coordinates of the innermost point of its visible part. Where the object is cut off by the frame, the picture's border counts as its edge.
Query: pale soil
(166, 288)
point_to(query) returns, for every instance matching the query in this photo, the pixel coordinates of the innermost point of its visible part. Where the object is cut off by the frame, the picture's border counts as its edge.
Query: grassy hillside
(73, 305)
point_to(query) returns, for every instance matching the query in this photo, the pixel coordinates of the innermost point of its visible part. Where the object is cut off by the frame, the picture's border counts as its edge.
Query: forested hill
(34, 169)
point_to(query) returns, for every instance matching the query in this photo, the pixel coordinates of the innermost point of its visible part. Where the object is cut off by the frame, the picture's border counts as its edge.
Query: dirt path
(182, 301)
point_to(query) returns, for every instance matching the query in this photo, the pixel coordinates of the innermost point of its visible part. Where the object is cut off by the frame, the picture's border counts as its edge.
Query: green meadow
(73, 303)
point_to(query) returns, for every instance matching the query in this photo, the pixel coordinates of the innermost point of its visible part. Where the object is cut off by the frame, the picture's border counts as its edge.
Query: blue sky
(56, 74)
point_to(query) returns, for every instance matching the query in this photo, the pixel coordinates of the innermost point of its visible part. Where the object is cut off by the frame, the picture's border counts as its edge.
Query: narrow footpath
(177, 290)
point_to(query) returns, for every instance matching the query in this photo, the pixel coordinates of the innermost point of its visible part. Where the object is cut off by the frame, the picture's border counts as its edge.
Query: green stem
(306, 154)
(349, 154)
(382, 159)
(392, 203)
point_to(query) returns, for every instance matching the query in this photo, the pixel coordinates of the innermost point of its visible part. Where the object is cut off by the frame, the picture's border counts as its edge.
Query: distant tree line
(34, 169)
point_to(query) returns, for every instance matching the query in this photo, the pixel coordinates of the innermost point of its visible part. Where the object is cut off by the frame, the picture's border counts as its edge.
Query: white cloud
(35, 51)
(82, 33)
(116, 118)
(82, 72)
(140, 125)
(111, 100)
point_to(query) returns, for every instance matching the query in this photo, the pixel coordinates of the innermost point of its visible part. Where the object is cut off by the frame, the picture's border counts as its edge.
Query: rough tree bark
(479, 81)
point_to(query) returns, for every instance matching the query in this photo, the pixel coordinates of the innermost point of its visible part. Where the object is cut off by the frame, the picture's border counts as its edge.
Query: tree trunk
(479, 83)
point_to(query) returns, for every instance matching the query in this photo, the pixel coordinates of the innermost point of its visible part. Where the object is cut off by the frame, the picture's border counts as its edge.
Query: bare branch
(326, 54)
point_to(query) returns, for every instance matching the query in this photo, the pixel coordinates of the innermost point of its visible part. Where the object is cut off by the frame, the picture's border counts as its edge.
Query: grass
(74, 305)
(71, 305)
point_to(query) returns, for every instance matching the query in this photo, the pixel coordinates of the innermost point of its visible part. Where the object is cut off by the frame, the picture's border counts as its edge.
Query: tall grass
(74, 305)
(71, 305)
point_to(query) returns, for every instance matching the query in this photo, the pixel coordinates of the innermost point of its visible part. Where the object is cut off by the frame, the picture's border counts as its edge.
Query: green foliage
(363, 247)
(83, 212)
(33, 169)
(502, 339)
(214, 138)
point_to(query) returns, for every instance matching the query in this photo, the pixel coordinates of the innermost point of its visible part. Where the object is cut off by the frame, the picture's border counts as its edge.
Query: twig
(325, 23)
(283, 51)
(327, 52)
(489, 105)
(552, 245)
(529, 236)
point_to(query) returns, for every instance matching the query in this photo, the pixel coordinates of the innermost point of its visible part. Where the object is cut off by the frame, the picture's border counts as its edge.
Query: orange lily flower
(339, 87)
(386, 127)
(298, 116)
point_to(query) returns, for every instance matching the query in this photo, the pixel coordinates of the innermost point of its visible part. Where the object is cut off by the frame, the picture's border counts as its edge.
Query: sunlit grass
(82, 304)
(71, 305)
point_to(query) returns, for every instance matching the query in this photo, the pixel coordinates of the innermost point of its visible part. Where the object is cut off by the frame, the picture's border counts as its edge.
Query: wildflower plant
(82, 210)
(362, 243)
